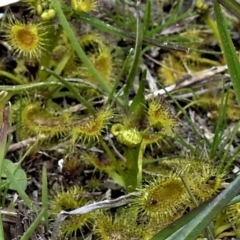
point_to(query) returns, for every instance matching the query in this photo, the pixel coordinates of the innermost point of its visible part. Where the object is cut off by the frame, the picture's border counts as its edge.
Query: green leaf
(9, 173)
(19, 175)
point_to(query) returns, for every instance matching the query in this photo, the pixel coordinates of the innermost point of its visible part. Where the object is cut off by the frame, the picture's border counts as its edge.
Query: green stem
(30, 86)
(133, 177)
(140, 163)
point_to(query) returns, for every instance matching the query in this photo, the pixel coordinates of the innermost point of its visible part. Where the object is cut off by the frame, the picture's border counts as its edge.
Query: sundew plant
(119, 119)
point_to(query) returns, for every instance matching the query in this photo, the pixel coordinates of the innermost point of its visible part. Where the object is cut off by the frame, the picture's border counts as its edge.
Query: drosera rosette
(121, 226)
(103, 62)
(163, 198)
(99, 53)
(27, 39)
(158, 125)
(91, 42)
(161, 117)
(176, 66)
(36, 119)
(212, 102)
(171, 70)
(201, 177)
(67, 200)
(204, 183)
(157, 143)
(90, 127)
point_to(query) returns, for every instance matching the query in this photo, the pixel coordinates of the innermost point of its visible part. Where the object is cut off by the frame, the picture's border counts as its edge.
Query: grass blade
(229, 51)
(172, 228)
(232, 6)
(18, 187)
(27, 235)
